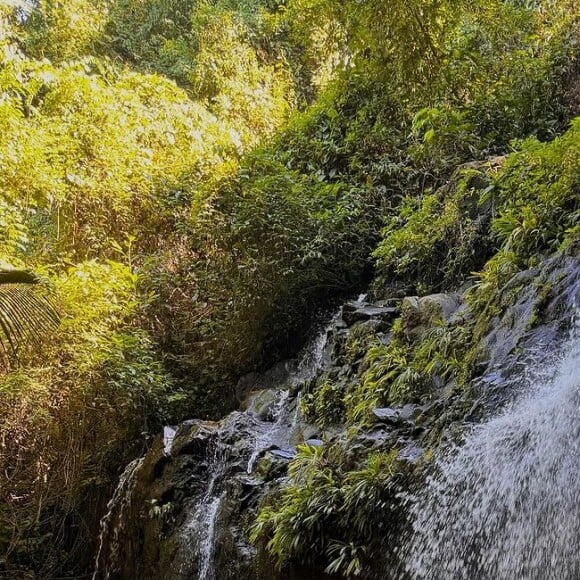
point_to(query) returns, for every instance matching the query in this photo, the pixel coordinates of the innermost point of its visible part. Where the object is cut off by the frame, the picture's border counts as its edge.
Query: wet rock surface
(188, 505)
(353, 312)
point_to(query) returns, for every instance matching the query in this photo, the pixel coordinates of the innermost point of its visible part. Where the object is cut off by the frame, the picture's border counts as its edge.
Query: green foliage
(147, 142)
(329, 510)
(71, 411)
(432, 243)
(65, 30)
(26, 312)
(445, 137)
(263, 245)
(324, 405)
(110, 172)
(537, 195)
(537, 209)
(215, 51)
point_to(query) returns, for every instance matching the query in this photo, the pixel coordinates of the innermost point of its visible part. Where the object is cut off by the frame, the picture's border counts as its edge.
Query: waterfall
(111, 528)
(311, 361)
(234, 446)
(208, 543)
(200, 531)
(268, 436)
(506, 504)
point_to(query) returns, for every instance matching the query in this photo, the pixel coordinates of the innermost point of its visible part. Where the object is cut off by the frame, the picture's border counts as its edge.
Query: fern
(26, 312)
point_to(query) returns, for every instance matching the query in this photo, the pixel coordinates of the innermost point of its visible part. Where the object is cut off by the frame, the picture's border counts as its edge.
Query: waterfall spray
(506, 504)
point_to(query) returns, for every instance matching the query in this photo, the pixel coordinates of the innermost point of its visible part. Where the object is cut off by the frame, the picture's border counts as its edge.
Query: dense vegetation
(192, 179)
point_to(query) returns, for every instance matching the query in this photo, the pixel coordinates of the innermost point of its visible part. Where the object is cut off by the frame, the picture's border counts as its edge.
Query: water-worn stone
(353, 312)
(397, 416)
(427, 307)
(387, 415)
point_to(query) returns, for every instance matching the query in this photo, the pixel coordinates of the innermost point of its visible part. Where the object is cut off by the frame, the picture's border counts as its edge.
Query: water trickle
(275, 432)
(208, 543)
(361, 299)
(506, 504)
(234, 445)
(199, 534)
(168, 437)
(109, 534)
(268, 435)
(312, 359)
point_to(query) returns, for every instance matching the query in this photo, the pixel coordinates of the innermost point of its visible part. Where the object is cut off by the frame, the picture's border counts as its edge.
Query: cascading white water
(168, 437)
(311, 362)
(506, 504)
(200, 530)
(207, 545)
(265, 438)
(312, 359)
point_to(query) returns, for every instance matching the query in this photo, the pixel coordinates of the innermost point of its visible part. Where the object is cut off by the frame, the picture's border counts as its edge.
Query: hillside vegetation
(193, 179)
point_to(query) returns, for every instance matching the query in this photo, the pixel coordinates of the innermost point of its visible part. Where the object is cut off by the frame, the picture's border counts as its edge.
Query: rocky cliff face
(184, 510)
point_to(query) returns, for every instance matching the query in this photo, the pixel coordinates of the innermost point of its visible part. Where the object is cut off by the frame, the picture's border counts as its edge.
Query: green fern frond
(27, 312)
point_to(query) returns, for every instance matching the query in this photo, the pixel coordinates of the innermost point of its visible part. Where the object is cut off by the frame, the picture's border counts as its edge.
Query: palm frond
(27, 312)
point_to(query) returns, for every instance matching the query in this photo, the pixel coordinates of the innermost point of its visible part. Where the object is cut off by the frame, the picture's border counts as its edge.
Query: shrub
(327, 514)
(263, 246)
(434, 242)
(72, 414)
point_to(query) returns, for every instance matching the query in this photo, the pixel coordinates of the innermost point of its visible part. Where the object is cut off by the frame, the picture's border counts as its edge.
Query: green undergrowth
(329, 513)
(91, 389)
(409, 371)
(537, 211)
(269, 242)
(433, 242)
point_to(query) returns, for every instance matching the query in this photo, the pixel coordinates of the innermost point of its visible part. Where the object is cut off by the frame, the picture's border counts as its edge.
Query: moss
(544, 294)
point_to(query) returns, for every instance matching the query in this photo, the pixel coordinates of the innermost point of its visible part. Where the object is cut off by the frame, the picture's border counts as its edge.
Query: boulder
(274, 378)
(428, 307)
(353, 312)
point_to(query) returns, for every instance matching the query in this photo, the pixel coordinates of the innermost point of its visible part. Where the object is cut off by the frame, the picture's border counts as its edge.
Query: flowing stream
(506, 504)
(199, 536)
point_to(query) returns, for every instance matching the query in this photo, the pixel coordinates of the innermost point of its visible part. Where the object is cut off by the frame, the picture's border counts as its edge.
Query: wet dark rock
(379, 438)
(411, 453)
(192, 438)
(353, 312)
(274, 378)
(262, 403)
(541, 307)
(387, 415)
(284, 454)
(397, 416)
(272, 466)
(308, 432)
(427, 307)
(408, 412)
